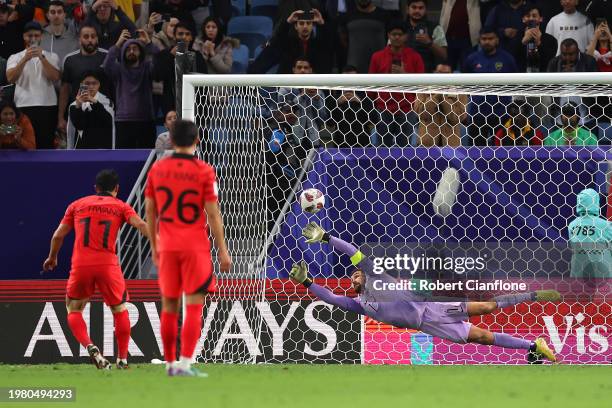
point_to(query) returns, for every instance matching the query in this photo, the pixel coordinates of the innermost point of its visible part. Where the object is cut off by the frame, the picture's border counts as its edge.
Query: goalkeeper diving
(446, 320)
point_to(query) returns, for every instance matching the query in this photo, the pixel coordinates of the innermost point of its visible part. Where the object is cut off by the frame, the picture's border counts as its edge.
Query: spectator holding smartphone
(425, 37)
(599, 47)
(91, 116)
(109, 21)
(537, 48)
(161, 28)
(16, 130)
(130, 70)
(34, 72)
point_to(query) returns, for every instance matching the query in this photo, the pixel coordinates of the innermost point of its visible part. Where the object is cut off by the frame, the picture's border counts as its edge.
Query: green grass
(333, 386)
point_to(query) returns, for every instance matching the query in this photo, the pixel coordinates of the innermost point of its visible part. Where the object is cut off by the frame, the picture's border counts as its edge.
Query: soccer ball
(312, 200)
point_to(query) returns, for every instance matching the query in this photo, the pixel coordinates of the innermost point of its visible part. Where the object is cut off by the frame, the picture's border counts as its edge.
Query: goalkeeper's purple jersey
(405, 311)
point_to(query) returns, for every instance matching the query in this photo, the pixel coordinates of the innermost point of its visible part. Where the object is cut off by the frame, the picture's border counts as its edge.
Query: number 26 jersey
(180, 185)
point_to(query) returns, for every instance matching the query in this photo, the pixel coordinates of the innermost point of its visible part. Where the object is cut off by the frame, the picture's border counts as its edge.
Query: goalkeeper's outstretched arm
(299, 274)
(314, 233)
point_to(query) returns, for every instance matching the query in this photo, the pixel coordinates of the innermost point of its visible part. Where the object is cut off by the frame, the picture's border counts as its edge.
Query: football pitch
(250, 386)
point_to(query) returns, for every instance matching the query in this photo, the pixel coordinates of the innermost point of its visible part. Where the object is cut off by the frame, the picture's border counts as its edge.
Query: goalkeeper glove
(299, 274)
(314, 233)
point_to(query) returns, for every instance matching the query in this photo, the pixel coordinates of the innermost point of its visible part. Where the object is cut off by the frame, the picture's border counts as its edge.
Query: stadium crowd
(102, 74)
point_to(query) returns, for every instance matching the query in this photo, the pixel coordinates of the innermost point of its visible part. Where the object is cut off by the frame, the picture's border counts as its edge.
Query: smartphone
(35, 43)
(396, 61)
(166, 17)
(181, 47)
(8, 129)
(532, 24)
(307, 16)
(83, 89)
(420, 29)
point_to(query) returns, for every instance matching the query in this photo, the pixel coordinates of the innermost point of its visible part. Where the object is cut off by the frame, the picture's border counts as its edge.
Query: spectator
(295, 38)
(460, 20)
(515, 130)
(363, 32)
(103, 16)
(181, 9)
(288, 7)
(16, 131)
(485, 111)
(571, 24)
(570, 133)
(167, 61)
(351, 116)
(440, 115)
(131, 8)
(397, 119)
(11, 29)
(536, 48)
(162, 30)
(91, 116)
(34, 71)
(130, 71)
(311, 110)
(216, 49)
(507, 19)
(164, 142)
(88, 58)
(425, 37)
(571, 59)
(3, 81)
(59, 37)
(600, 49)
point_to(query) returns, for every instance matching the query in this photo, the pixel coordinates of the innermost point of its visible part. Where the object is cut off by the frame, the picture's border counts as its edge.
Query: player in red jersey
(96, 220)
(178, 189)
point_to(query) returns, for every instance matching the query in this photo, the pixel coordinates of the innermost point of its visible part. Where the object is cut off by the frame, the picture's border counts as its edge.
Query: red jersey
(96, 220)
(180, 185)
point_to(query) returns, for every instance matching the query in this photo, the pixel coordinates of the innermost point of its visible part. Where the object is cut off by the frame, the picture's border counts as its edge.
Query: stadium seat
(267, 8)
(241, 59)
(239, 7)
(258, 50)
(250, 30)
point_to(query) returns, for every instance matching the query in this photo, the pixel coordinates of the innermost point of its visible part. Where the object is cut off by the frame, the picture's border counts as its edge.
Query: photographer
(91, 115)
(16, 130)
(537, 48)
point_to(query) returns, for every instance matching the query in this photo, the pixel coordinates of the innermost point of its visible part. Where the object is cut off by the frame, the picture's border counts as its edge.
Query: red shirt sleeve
(69, 216)
(128, 212)
(211, 190)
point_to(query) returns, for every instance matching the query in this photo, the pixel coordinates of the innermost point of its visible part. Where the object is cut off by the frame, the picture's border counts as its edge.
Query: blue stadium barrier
(252, 31)
(43, 185)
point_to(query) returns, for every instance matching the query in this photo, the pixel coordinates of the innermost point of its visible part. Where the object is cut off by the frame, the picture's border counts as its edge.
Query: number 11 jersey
(180, 185)
(96, 220)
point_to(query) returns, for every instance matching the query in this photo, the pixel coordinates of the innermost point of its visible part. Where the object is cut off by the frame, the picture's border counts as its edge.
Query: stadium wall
(580, 332)
(37, 187)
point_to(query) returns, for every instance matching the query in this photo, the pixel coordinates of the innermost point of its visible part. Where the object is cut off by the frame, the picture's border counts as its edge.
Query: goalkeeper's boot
(97, 358)
(549, 295)
(122, 364)
(542, 349)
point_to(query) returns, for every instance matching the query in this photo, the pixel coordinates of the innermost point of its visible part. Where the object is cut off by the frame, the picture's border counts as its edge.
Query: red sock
(169, 330)
(122, 332)
(79, 328)
(192, 329)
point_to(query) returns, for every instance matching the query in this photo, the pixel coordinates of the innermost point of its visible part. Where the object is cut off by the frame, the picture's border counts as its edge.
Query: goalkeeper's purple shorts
(446, 320)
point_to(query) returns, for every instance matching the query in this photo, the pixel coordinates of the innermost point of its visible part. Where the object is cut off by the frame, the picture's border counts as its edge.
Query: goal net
(475, 176)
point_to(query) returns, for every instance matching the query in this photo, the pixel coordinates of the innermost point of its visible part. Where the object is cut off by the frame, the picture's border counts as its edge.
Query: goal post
(440, 167)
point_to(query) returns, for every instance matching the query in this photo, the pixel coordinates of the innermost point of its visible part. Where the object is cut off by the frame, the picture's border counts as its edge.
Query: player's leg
(499, 302)
(170, 287)
(482, 336)
(198, 281)
(80, 287)
(111, 284)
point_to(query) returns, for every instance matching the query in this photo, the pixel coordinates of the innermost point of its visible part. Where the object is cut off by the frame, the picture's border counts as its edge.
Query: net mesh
(379, 154)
